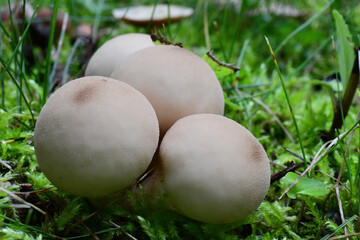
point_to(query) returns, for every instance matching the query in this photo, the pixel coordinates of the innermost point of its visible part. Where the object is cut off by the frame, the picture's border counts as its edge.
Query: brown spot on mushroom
(84, 94)
(209, 170)
(257, 153)
(95, 136)
(88, 91)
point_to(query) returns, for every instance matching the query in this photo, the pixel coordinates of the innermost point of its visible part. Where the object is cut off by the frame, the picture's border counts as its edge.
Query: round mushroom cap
(156, 14)
(95, 136)
(176, 81)
(214, 170)
(114, 52)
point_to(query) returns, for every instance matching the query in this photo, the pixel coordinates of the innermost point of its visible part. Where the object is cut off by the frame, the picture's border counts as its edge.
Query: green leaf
(344, 49)
(305, 186)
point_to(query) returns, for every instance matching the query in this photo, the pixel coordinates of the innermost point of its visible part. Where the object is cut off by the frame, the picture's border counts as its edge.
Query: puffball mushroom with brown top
(212, 169)
(95, 136)
(176, 82)
(114, 52)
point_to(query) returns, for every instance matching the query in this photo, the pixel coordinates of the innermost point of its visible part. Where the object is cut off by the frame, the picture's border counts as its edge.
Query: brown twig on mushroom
(162, 39)
(227, 65)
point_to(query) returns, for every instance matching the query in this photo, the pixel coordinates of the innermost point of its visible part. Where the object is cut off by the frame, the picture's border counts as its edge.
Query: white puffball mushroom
(95, 136)
(176, 81)
(114, 52)
(213, 169)
(157, 15)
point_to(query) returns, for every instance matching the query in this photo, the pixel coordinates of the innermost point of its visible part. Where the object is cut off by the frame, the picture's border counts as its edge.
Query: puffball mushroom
(213, 169)
(156, 15)
(114, 52)
(95, 136)
(176, 81)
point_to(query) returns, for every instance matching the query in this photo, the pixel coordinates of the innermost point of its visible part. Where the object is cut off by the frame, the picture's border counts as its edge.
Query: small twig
(347, 150)
(340, 175)
(345, 236)
(5, 164)
(32, 192)
(283, 166)
(278, 175)
(91, 232)
(340, 207)
(19, 199)
(122, 229)
(293, 153)
(227, 65)
(262, 104)
(164, 40)
(319, 155)
(12, 140)
(145, 176)
(333, 178)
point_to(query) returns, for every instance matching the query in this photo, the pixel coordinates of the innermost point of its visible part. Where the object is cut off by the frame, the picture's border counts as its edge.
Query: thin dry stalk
(283, 166)
(91, 233)
(118, 226)
(262, 104)
(206, 27)
(61, 40)
(347, 150)
(333, 178)
(340, 175)
(292, 153)
(5, 165)
(345, 236)
(319, 155)
(17, 198)
(22, 201)
(340, 207)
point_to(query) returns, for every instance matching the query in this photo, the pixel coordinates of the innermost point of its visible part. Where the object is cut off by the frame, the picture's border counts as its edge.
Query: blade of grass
(21, 59)
(308, 59)
(339, 228)
(221, 45)
(148, 28)
(13, 26)
(238, 29)
(241, 56)
(48, 52)
(2, 83)
(303, 26)
(288, 102)
(169, 32)
(5, 31)
(95, 29)
(21, 93)
(206, 27)
(61, 40)
(6, 66)
(69, 60)
(18, 225)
